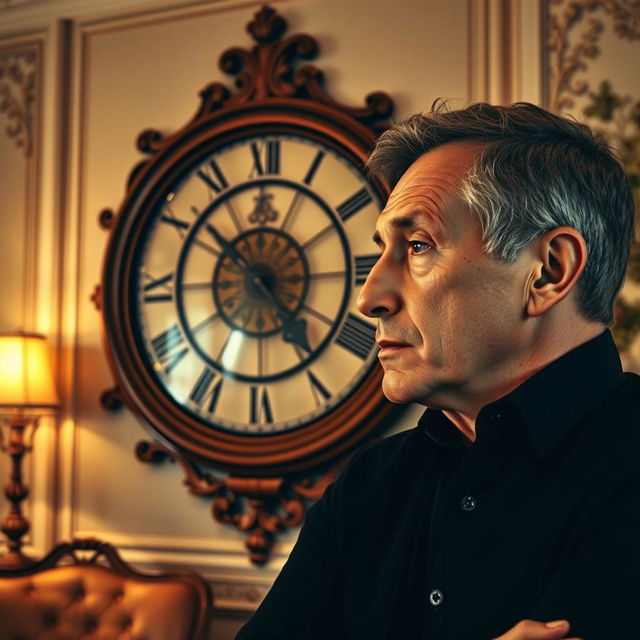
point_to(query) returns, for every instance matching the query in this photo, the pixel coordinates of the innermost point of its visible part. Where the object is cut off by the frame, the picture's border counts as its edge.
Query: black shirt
(427, 536)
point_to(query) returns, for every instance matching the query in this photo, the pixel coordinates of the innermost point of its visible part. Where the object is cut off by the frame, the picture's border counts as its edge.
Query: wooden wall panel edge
(209, 551)
(529, 69)
(71, 296)
(20, 19)
(477, 31)
(506, 40)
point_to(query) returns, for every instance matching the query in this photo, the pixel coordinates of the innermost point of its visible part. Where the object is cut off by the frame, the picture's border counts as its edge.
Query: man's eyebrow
(408, 221)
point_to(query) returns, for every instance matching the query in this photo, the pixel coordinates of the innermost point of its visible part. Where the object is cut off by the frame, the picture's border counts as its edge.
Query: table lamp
(26, 393)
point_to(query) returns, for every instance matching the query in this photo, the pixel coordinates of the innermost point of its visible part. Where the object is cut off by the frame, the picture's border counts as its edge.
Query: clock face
(244, 282)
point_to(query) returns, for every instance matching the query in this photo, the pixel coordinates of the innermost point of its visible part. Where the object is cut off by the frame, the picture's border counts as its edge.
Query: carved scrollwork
(17, 96)
(111, 399)
(568, 59)
(259, 507)
(200, 484)
(268, 70)
(96, 297)
(267, 26)
(148, 140)
(106, 219)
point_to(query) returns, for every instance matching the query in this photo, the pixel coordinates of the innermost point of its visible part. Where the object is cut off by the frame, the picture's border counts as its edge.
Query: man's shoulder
(611, 437)
(386, 457)
(625, 400)
(623, 408)
(632, 381)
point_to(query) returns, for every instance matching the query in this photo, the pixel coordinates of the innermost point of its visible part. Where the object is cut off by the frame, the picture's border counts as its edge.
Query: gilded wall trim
(568, 56)
(237, 597)
(18, 94)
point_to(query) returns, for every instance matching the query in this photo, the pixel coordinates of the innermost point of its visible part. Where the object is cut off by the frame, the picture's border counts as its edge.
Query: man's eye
(417, 247)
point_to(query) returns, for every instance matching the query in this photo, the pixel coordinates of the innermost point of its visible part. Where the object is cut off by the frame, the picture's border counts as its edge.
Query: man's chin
(397, 390)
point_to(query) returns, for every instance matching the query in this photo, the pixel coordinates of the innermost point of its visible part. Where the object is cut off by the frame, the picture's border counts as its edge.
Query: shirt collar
(547, 405)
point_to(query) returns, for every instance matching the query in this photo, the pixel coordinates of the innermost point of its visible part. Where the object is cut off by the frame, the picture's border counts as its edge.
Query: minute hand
(229, 249)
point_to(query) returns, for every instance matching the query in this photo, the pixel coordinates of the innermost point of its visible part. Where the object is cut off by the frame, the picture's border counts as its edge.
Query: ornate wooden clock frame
(269, 477)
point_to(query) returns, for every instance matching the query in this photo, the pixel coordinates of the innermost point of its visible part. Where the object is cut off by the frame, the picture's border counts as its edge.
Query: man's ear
(561, 255)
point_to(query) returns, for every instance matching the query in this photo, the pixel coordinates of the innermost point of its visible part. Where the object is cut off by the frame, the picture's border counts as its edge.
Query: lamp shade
(26, 380)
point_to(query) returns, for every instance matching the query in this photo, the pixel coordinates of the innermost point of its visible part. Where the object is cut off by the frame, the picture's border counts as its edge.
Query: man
(513, 508)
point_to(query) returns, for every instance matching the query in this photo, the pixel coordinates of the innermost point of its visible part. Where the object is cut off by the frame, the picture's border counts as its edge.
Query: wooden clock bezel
(305, 447)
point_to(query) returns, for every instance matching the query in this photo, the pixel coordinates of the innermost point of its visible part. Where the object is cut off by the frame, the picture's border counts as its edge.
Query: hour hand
(295, 332)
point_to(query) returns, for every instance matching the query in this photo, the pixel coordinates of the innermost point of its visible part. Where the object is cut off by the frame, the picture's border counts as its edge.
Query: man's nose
(379, 294)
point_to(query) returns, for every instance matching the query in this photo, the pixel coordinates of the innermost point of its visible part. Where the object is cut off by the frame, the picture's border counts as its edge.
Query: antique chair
(83, 589)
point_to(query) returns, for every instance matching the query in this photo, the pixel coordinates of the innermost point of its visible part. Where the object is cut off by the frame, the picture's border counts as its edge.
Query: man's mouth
(391, 344)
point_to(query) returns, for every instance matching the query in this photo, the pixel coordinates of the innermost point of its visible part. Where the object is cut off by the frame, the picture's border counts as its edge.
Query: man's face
(450, 318)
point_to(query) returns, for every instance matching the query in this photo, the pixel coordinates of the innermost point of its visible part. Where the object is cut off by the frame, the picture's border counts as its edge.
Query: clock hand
(293, 330)
(229, 249)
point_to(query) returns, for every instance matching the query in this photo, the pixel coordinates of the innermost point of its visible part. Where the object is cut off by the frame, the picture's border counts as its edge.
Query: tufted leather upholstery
(85, 600)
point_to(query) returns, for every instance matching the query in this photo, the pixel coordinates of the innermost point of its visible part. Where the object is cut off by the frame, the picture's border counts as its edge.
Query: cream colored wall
(616, 60)
(109, 71)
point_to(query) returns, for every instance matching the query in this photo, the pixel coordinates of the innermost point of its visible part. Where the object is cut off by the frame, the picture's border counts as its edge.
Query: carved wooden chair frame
(93, 552)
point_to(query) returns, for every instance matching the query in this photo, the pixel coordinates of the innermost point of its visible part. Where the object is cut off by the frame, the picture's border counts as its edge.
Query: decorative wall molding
(575, 29)
(232, 597)
(25, 70)
(568, 57)
(203, 552)
(18, 95)
(505, 51)
(259, 507)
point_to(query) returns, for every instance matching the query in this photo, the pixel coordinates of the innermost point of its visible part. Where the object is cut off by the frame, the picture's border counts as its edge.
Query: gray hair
(538, 171)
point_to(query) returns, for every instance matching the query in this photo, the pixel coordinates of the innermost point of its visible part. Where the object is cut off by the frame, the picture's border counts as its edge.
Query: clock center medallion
(262, 283)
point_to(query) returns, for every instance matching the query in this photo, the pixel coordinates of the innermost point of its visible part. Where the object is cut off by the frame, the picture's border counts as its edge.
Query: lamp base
(15, 560)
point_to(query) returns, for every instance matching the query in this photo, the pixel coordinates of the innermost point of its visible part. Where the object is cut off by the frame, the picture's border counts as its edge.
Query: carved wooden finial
(267, 25)
(273, 68)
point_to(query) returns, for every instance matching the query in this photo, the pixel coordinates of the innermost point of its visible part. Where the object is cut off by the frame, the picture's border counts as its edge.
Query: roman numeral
(207, 387)
(318, 387)
(213, 176)
(176, 222)
(357, 336)
(266, 158)
(167, 348)
(353, 204)
(171, 219)
(167, 341)
(260, 410)
(364, 264)
(154, 284)
(314, 167)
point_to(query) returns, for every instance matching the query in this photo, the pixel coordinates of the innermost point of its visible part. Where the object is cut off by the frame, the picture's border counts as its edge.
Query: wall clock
(230, 282)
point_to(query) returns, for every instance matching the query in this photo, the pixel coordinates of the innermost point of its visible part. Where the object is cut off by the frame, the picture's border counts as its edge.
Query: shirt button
(468, 503)
(436, 597)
